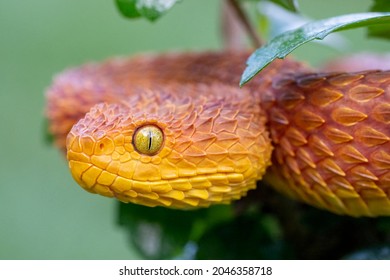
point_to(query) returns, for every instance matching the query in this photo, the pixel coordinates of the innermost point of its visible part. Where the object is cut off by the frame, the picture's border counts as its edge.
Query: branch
(242, 17)
(233, 33)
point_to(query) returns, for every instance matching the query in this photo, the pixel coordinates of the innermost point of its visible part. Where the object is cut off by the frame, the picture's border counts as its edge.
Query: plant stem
(242, 17)
(233, 33)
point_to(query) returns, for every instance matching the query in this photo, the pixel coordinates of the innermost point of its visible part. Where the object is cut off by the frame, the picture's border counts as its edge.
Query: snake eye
(148, 139)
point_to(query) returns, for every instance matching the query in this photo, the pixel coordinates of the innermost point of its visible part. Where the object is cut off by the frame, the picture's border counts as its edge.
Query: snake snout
(92, 146)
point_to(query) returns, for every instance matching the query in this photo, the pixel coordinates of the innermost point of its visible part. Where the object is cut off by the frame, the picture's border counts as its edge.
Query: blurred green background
(43, 213)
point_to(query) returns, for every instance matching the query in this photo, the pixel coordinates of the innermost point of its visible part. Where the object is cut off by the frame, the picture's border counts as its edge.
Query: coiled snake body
(175, 130)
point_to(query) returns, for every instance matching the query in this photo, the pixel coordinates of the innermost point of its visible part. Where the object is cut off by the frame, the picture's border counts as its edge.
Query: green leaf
(380, 6)
(380, 31)
(150, 9)
(48, 137)
(128, 8)
(274, 20)
(291, 5)
(153, 9)
(282, 45)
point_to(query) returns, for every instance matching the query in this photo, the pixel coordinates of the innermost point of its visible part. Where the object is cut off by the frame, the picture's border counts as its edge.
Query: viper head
(158, 149)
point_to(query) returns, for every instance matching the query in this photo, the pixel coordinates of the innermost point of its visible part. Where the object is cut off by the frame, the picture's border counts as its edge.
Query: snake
(176, 130)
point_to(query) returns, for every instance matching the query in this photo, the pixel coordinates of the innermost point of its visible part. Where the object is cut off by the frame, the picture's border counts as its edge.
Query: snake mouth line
(183, 192)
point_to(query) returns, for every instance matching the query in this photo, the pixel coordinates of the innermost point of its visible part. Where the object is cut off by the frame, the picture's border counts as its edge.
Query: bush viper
(175, 130)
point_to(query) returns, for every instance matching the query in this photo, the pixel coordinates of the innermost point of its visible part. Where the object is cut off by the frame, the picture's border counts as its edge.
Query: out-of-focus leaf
(276, 229)
(162, 233)
(150, 9)
(282, 45)
(274, 20)
(376, 253)
(157, 233)
(246, 237)
(380, 31)
(291, 5)
(380, 6)
(153, 9)
(48, 137)
(128, 8)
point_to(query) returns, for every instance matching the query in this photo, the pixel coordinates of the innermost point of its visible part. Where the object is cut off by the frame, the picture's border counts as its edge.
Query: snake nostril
(101, 146)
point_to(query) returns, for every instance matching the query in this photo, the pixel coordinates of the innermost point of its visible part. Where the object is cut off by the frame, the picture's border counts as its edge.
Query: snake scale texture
(175, 130)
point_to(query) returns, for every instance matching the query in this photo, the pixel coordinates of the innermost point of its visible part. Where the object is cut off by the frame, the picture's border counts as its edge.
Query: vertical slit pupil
(150, 140)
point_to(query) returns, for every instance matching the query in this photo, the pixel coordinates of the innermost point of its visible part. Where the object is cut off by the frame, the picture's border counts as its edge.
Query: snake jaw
(213, 151)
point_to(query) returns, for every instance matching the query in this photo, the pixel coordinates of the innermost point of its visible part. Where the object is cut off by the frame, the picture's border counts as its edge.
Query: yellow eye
(148, 140)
